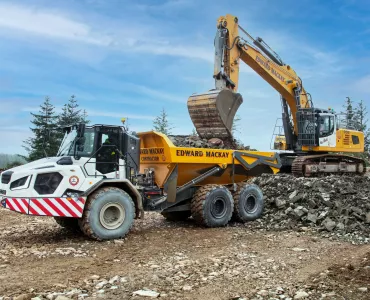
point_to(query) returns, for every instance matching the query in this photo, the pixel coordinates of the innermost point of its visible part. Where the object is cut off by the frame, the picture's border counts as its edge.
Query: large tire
(109, 214)
(175, 216)
(68, 223)
(212, 206)
(248, 202)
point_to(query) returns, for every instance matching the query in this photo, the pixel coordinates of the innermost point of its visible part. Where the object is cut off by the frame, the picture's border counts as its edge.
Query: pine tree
(361, 122)
(236, 125)
(236, 129)
(84, 117)
(360, 116)
(349, 113)
(45, 138)
(161, 123)
(70, 115)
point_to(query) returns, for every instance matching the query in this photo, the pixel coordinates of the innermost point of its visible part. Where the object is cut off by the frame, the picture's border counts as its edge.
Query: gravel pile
(332, 204)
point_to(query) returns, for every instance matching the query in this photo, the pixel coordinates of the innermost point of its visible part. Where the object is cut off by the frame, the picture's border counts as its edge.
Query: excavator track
(327, 164)
(298, 165)
(212, 113)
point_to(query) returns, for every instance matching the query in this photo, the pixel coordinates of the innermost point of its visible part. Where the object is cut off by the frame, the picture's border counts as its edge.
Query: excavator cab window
(326, 125)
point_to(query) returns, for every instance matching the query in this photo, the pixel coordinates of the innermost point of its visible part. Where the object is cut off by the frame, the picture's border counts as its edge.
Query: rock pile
(194, 141)
(333, 203)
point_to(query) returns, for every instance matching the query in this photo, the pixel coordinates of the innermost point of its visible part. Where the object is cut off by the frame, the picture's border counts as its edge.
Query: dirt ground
(179, 261)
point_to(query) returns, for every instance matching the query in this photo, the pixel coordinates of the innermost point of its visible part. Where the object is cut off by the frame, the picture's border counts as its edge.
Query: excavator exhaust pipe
(213, 113)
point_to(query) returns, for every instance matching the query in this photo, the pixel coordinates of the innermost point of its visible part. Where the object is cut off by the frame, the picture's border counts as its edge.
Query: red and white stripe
(57, 207)
(17, 204)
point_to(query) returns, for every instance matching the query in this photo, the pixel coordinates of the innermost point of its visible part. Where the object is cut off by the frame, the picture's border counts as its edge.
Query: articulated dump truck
(103, 178)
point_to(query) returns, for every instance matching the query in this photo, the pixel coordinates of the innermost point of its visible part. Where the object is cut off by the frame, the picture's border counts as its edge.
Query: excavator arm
(313, 134)
(213, 112)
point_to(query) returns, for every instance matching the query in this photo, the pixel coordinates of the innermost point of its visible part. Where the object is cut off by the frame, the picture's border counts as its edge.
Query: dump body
(159, 153)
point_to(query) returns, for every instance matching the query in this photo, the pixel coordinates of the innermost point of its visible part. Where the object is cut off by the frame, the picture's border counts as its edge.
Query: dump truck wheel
(68, 223)
(248, 203)
(109, 214)
(212, 206)
(176, 215)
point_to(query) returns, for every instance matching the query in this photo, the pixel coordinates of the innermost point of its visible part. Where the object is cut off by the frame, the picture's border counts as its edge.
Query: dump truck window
(88, 145)
(107, 155)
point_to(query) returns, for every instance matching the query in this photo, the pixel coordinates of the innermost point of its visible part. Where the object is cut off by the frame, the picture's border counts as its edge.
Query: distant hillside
(8, 159)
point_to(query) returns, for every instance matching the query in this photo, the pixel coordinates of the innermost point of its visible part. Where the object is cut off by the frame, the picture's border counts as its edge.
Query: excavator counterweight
(212, 113)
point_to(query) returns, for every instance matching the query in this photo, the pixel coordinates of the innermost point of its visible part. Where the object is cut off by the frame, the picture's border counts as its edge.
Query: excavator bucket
(213, 112)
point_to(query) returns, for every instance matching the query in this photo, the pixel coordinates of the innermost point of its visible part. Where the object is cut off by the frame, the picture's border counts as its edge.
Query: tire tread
(198, 201)
(236, 195)
(85, 224)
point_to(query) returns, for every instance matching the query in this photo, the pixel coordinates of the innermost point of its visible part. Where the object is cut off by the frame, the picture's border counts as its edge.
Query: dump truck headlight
(6, 176)
(47, 183)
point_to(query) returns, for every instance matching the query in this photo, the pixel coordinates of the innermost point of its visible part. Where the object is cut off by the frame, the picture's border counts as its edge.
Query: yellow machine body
(346, 141)
(157, 152)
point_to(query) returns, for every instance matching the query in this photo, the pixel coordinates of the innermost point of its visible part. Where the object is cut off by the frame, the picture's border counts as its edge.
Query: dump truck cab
(86, 156)
(101, 150)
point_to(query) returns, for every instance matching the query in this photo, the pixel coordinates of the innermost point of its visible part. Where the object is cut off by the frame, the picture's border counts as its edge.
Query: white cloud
(175, 50)
(160, 95)
(167, 6)
(11, 106)
(21, 21)
(30, 108)
(363, 84)
(206, 81)
(47, 23)
(116, 115)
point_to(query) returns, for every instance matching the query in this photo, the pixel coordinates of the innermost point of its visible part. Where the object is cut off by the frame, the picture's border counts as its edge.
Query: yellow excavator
(313, 136)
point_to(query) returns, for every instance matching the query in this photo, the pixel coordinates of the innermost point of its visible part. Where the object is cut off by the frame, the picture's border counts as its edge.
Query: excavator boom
(213, 112)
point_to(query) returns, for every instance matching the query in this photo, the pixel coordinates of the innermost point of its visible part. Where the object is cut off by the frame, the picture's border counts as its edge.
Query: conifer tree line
(356, 117)
(47, 127)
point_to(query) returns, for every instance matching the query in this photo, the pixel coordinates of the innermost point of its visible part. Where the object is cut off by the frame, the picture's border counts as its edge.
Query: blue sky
(131, 58)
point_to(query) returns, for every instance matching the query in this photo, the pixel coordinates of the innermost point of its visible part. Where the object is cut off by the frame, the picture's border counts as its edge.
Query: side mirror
(81, 130)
